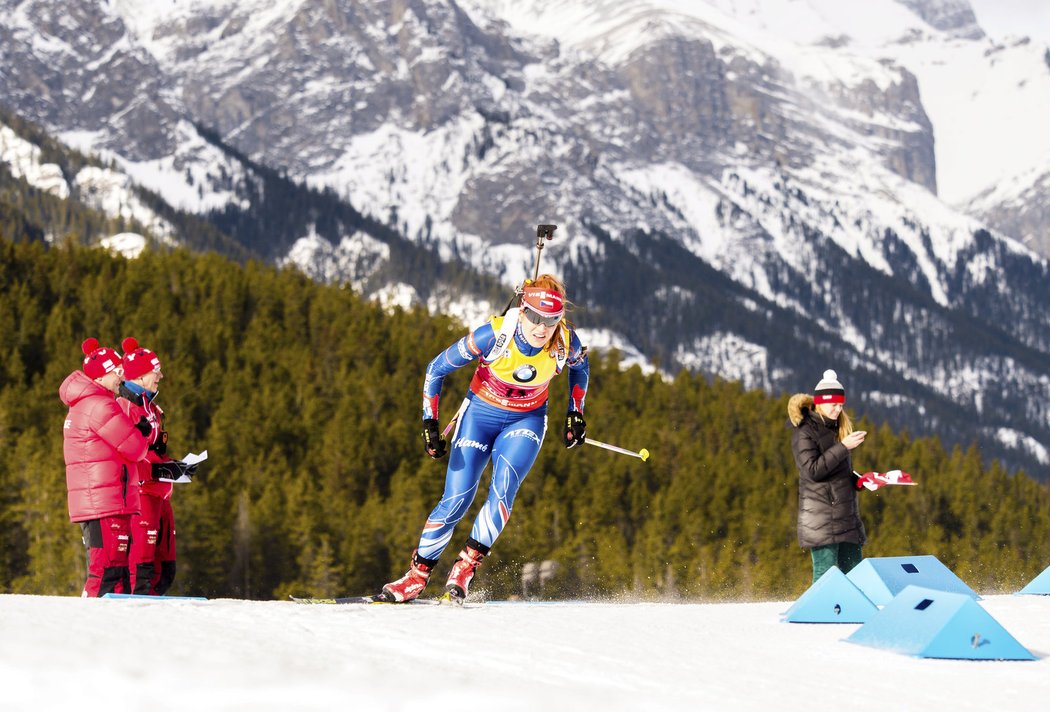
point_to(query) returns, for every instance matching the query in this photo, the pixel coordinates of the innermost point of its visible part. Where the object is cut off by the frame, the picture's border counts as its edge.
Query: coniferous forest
(308, 401)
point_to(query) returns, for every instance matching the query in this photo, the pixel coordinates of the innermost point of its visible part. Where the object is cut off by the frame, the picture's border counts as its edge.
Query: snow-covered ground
(69, 653)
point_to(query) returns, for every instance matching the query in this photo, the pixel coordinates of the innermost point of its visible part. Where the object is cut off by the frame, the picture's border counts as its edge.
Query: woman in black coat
(829, 522)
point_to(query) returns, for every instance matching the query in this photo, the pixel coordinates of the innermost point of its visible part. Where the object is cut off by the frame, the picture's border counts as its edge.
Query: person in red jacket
(101, 446)
(152, 556)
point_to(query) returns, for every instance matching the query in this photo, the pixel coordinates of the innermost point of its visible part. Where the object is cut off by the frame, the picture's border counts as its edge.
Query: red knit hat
(98, 360)
(138, 361)
(829, 390)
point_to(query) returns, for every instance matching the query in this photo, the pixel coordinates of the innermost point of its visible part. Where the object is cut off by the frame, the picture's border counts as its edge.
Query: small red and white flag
(875, 480)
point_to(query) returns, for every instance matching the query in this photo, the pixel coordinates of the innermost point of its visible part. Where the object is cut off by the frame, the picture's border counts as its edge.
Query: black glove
(173, 470)
(161, 445)
(575, 429)
(433, 444)
(170, 470)
(144, 427)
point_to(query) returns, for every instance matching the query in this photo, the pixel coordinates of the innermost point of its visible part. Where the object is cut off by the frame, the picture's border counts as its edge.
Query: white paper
(192, 459)
(182, 479)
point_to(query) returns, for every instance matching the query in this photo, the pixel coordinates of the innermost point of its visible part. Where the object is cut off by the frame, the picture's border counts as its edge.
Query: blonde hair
(549, 281)
(845, 423)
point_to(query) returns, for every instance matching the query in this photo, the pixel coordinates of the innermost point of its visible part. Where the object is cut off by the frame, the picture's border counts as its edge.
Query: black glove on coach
(170, 470)
(575, 429)
(144, 427)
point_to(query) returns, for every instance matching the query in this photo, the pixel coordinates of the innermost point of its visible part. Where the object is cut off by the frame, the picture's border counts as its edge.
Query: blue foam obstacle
(1040, 584)
(833, 598)
(929, 623)
(882, 578)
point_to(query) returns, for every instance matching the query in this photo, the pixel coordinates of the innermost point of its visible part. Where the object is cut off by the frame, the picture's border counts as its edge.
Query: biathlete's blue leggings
(511, 440)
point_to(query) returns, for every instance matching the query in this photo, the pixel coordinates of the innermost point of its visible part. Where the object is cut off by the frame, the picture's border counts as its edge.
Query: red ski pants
(152, 557)
(107, 540)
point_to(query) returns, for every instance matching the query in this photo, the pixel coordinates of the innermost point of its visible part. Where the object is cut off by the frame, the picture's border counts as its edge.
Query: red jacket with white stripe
(101, 446)
(135, 407)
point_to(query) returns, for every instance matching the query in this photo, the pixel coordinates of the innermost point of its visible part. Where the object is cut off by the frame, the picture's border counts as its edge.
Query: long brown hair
(557, 337)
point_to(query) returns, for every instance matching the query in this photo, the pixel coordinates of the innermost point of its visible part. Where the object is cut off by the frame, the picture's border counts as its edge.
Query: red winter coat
(135, 407)
(101, 446)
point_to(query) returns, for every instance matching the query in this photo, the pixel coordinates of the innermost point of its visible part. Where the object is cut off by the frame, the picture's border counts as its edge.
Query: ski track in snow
(61, 653)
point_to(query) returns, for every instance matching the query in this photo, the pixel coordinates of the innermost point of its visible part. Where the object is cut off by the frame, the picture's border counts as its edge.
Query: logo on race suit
(524, 373)
(524, 433)
(465, 442)
(67, 425)
(464, 352)
(499, 342)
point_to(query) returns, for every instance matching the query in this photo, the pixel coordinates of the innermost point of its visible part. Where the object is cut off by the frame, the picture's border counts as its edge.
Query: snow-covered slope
(23, 160)
(987, 98)
(65, 653)
(108, 191)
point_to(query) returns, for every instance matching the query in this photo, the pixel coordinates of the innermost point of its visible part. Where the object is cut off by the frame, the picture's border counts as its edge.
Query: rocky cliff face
(74, 68)
(953, 16)
(1022, 211)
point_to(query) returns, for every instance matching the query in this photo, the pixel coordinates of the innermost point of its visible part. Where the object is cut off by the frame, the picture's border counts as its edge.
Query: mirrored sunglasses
(537, 318)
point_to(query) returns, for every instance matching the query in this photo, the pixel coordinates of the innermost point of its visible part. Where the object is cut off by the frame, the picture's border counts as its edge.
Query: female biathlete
(504, 419)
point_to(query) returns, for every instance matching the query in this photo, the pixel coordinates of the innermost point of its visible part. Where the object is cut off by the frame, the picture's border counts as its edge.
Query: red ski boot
(463, 571)
(411, 584)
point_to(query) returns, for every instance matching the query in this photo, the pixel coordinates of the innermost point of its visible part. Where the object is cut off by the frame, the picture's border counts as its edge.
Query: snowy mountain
(758, 189)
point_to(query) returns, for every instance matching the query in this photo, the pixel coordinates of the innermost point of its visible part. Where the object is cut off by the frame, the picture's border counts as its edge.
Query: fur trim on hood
(799, 402)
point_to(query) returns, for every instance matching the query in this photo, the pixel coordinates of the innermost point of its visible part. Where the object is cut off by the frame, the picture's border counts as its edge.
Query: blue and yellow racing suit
(504, 419)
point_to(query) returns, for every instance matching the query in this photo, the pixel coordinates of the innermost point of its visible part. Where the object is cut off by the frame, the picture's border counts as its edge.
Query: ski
(379, 600)
(875, 480)
(362, 600)
(333, 601)
(451, 598)
(144, 597)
